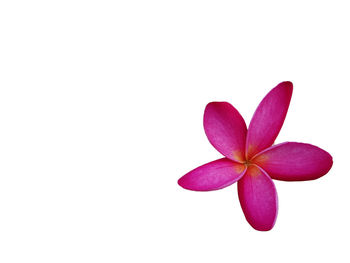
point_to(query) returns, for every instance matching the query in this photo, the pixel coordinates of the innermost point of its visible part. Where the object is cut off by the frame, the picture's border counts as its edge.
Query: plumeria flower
(252, 160)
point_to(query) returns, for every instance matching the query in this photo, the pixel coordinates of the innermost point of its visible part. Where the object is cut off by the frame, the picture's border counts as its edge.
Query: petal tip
(287, 83)
(330, 164)
(181, 182)
(288, 86)
(214, 104)
(263, 229)
(185, 184)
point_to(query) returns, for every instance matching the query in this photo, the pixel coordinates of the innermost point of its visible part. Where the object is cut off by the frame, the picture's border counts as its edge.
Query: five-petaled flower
(251, 160)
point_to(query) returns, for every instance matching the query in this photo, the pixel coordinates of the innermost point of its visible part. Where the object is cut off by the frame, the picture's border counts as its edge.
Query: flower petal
(213, 176)
(258, 198)
(292, 161)
(268, 119)
(225, 129)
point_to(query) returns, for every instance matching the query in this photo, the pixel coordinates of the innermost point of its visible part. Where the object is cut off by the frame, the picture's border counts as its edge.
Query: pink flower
(251, 160)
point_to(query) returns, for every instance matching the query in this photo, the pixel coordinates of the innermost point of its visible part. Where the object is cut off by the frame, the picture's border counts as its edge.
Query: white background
(101, 108)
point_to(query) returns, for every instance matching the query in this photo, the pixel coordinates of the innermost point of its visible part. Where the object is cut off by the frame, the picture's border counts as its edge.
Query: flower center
(248, 162)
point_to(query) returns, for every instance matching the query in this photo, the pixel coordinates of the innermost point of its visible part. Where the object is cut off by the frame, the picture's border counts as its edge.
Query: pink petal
(213, 176)
(268, 118)
(258, 198)
(292, 161)
(225, 129)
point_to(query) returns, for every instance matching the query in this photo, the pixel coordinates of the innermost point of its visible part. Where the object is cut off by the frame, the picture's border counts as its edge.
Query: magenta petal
(258, 198)
(292, 161)
(268, 118)
(213, 176)
(225, 129)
